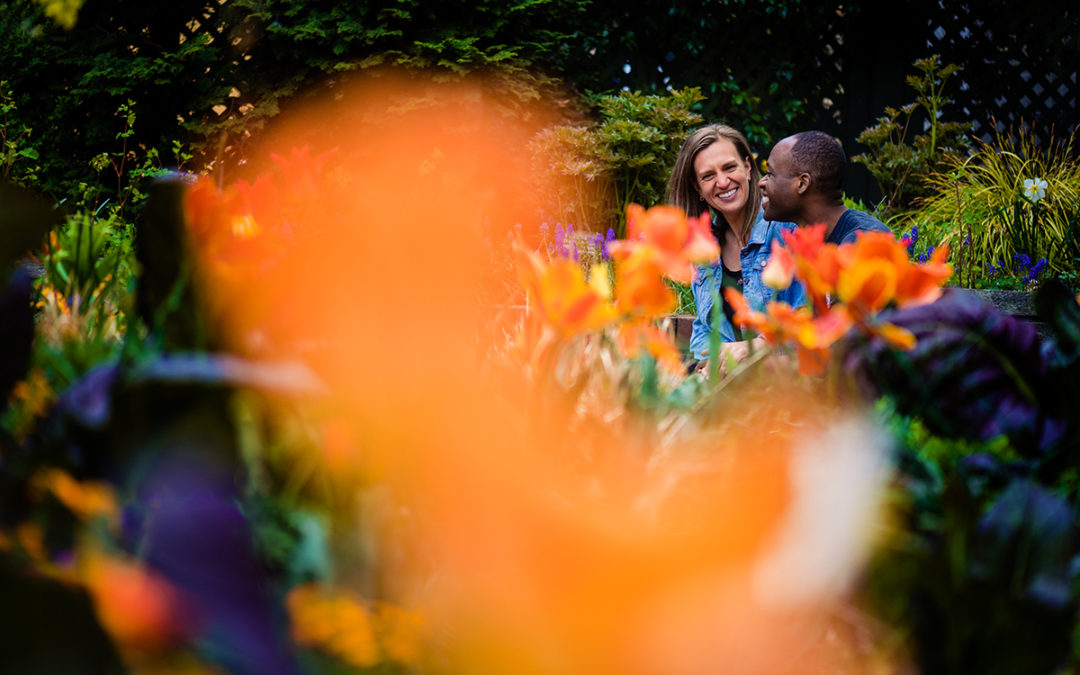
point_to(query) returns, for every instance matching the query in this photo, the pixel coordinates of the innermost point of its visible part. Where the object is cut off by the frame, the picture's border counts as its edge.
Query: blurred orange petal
(898, 337)
(780, 269)
(869, 285)
(639, 284)
(139, 608)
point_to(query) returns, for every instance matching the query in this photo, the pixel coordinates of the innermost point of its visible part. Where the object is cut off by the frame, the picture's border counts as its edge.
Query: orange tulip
(868, 285)
(562, 295)
(921, 284)
(745, 316)
(678, 242)
(639, 284)
(780, 269)
(637, 338)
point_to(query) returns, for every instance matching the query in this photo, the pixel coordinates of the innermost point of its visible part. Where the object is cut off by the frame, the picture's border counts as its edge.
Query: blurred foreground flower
(142, 612)
(343, 626)
(544, 540)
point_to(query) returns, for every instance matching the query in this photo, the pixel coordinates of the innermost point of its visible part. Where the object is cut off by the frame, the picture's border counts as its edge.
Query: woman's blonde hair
(682, 186)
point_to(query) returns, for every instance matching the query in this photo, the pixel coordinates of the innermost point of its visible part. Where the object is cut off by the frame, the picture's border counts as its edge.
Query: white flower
(1034, 189)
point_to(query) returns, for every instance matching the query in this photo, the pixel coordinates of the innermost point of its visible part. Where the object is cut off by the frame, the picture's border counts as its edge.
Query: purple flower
(909, 239)
(1036, 269)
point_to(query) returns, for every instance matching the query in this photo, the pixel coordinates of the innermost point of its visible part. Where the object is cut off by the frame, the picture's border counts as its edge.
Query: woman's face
(723, 180)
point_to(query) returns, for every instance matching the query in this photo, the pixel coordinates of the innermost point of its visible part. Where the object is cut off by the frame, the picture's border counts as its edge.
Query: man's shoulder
(865, 222)
(852, 222)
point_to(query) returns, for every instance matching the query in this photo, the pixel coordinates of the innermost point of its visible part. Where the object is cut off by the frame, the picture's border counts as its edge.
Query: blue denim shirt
(753, 258)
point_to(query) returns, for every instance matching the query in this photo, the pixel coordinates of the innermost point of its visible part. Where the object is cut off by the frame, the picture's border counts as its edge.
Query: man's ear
(802, 183)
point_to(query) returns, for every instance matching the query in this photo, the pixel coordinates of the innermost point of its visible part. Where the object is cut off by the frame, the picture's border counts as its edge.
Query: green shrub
(901, 162)
(592, 172)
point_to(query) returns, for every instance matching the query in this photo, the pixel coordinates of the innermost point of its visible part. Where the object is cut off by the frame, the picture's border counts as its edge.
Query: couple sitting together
(803, 186)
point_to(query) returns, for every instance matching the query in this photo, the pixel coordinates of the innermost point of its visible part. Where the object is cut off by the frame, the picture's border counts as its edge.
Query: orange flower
(679, 242)
(638, 338)
(901, 338)
(868, 285)
(921, 284)
(333, 622)
(747, 317)
(87, 500)
(780, 269)
(639, 284)
(139, 609)
(805, 242)
(562, 295)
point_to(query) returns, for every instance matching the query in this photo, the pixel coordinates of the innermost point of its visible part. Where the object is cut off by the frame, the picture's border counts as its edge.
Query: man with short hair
(803, 185)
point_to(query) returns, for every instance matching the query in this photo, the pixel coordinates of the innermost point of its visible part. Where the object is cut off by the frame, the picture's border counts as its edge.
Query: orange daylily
(562, 295)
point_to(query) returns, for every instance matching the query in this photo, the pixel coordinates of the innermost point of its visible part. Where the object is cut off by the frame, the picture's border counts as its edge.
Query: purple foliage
(974, 373)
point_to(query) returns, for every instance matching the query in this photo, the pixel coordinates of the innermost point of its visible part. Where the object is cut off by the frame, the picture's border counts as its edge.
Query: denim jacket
(753, 258)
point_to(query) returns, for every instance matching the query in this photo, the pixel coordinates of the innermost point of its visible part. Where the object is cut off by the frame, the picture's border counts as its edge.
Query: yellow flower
(333, 623)
(399, 632)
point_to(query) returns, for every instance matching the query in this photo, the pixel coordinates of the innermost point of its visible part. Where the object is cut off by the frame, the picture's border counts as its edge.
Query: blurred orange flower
(141, 611)
(335, 623)
(780, 269)
(639, 283)
(561, 294)
(679, 242)
(342, 625)
(87, 499)
(643, 338)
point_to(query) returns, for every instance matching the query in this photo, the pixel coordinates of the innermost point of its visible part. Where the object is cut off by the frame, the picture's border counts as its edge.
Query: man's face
(780, 194)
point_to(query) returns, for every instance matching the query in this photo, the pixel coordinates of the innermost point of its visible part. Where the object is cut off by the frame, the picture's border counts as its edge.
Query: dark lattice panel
(1020, 60)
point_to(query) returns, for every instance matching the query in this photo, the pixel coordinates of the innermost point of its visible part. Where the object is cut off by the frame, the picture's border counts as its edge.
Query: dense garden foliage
(336, 340)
